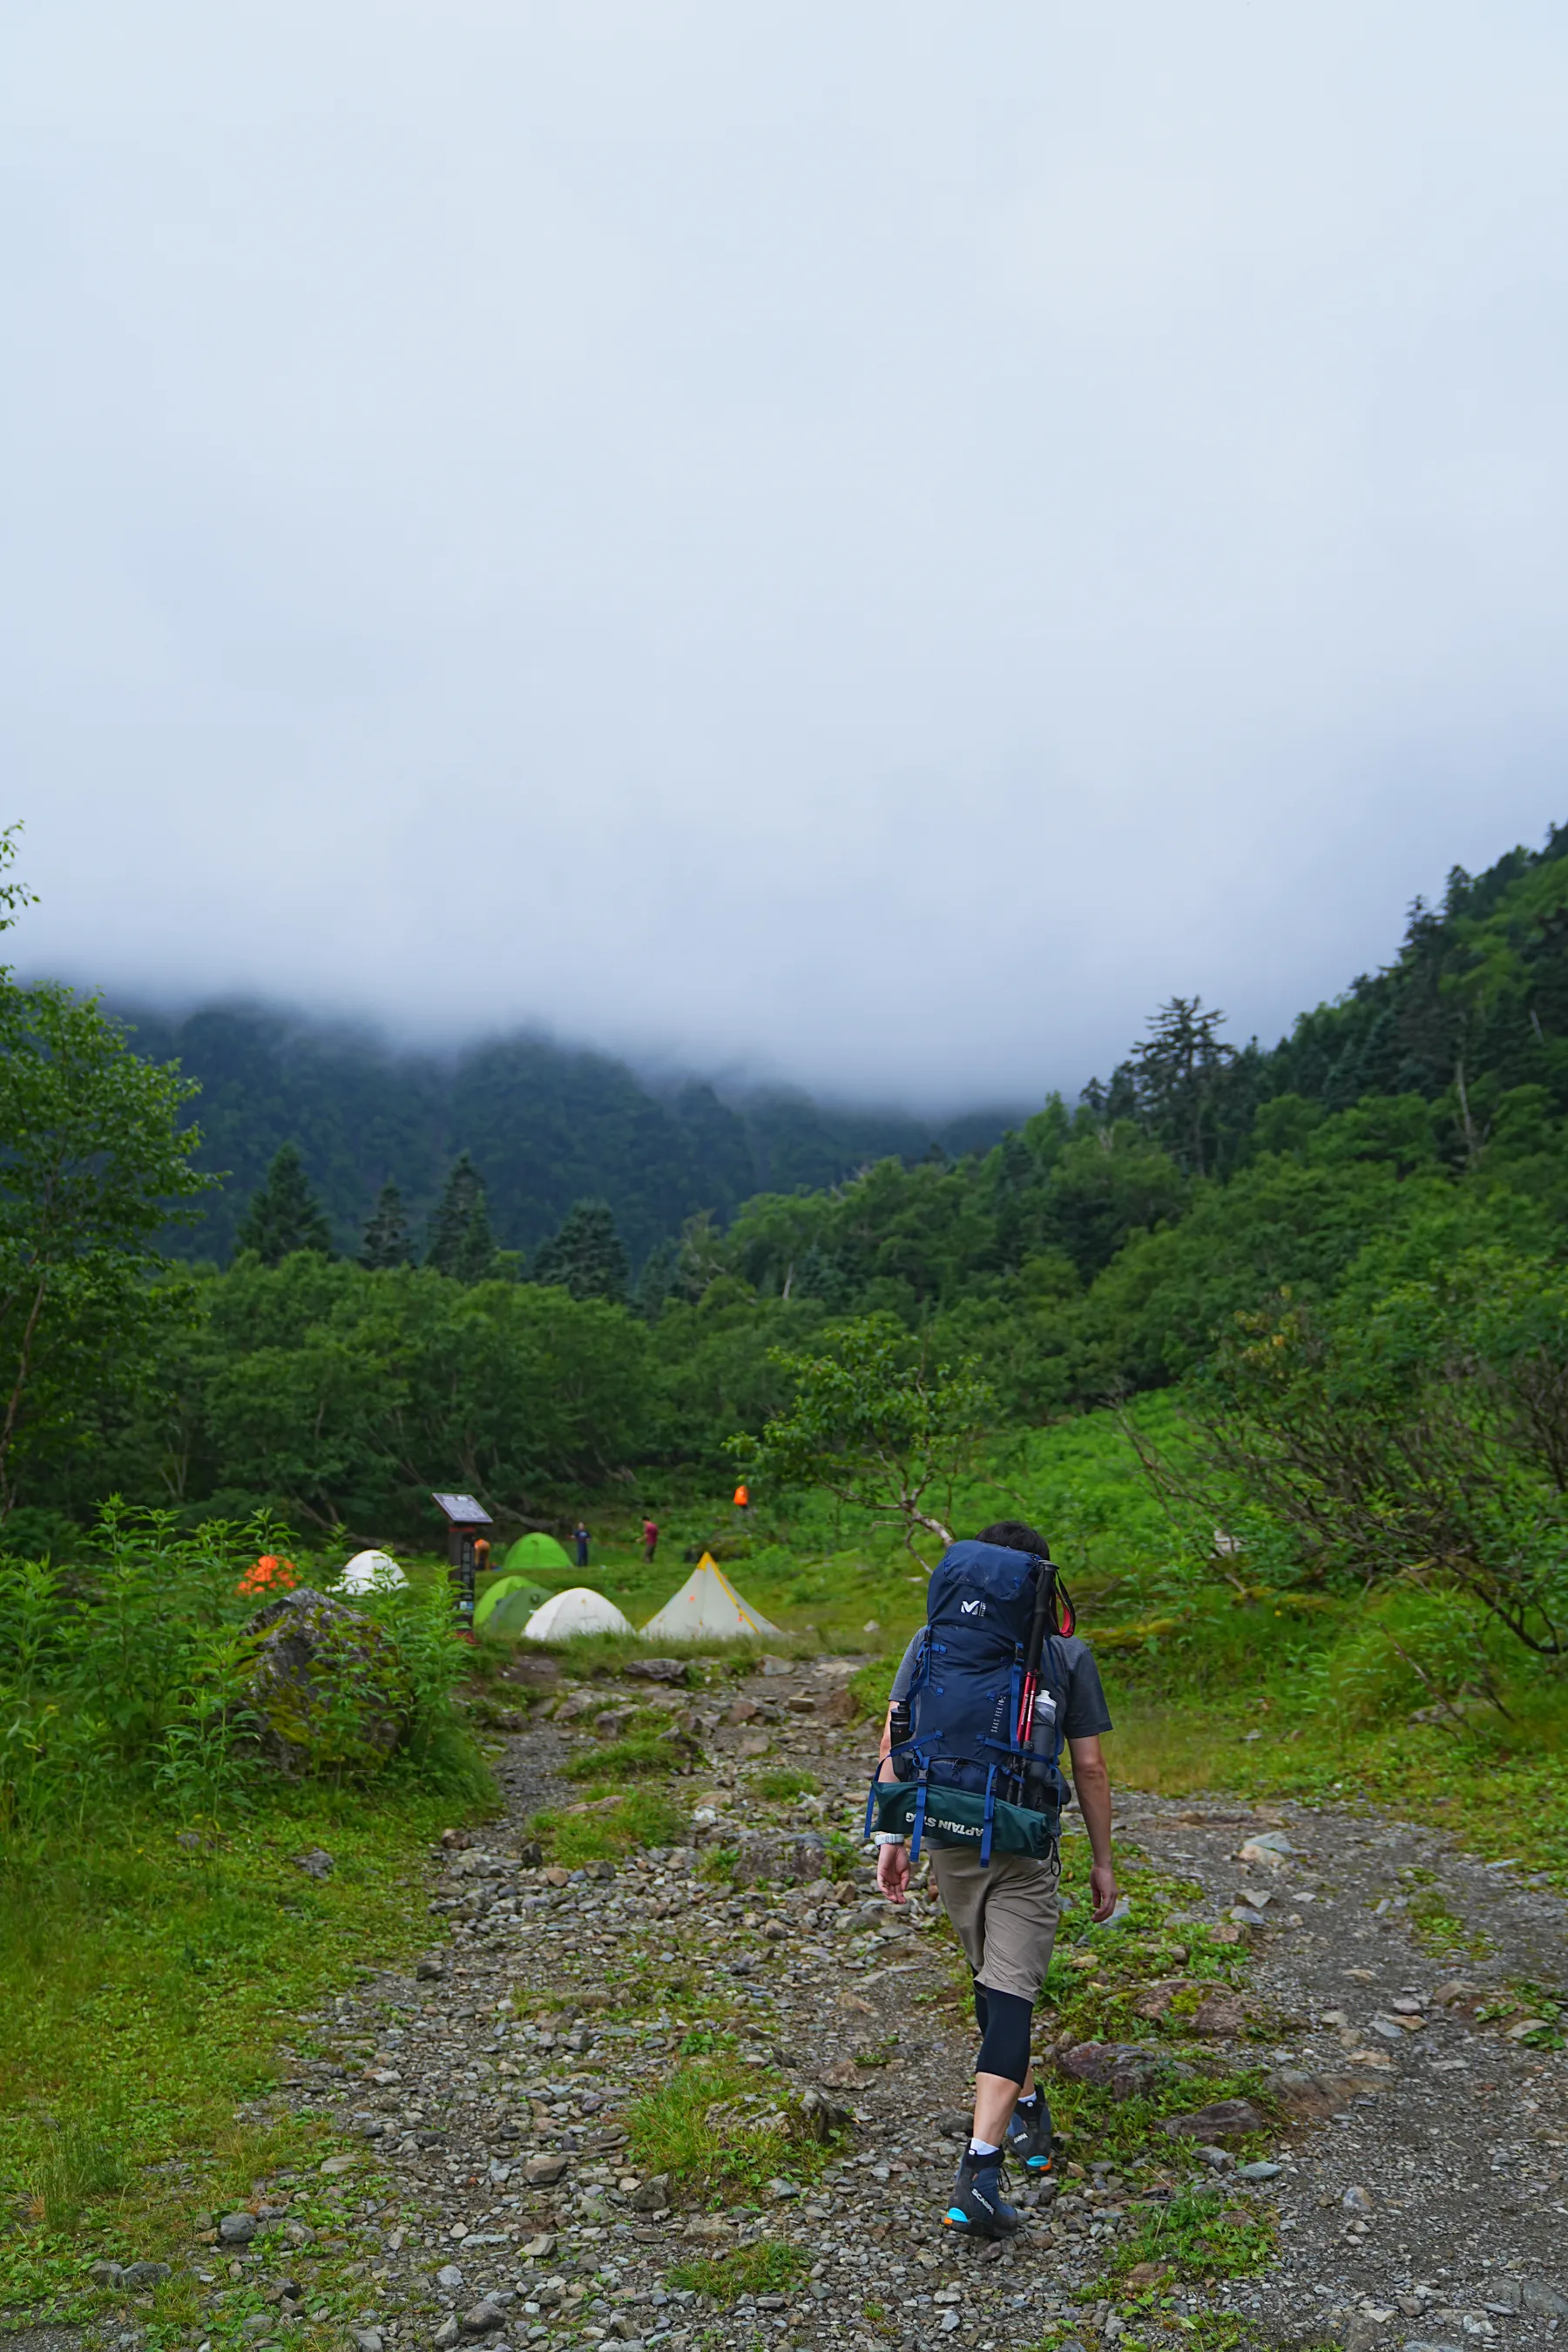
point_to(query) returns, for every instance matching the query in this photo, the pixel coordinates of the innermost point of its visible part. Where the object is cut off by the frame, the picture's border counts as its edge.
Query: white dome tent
(578, 1610)
(371, 1571)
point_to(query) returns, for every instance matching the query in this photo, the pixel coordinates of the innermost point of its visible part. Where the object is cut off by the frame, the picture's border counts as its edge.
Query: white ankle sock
(983, 2147)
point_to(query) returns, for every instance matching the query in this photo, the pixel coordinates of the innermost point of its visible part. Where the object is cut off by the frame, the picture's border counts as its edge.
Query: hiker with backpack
(987, 1692)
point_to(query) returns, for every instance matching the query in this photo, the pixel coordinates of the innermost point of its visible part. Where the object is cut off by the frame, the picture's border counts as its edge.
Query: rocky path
(1413, 2192)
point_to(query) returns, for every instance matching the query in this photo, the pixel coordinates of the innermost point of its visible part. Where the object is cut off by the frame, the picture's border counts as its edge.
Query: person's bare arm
(1092, 1783)
(892, 1861)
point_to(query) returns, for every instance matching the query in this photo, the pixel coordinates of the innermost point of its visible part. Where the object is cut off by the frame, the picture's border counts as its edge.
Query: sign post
(467, 1551)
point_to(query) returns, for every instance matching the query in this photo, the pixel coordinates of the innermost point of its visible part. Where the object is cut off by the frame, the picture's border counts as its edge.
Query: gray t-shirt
(1084, 1714)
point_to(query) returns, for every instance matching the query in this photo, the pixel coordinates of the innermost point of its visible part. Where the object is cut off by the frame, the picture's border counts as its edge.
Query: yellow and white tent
(707, 1604)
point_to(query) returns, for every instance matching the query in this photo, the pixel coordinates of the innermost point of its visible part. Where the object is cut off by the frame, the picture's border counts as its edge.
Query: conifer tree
(588, 1257)
(461, 1244)
(285, 1214)
(386, 1237)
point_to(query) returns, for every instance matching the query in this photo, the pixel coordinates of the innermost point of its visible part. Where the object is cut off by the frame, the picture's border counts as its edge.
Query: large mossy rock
(326, 1686)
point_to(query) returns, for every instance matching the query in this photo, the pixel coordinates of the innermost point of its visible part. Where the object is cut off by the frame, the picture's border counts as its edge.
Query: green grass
(715, 2128)
(780, 1788)
(767, 2266)
(627, 1760)
(146, 1989)
(1206, 2235)
(650, 1818)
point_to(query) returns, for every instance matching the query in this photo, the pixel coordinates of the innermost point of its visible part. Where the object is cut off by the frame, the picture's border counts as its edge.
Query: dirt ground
(1409, 2187)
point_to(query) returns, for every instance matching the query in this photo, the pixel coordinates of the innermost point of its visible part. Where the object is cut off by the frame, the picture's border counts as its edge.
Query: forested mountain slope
(1382, 1199)
(545, 1125)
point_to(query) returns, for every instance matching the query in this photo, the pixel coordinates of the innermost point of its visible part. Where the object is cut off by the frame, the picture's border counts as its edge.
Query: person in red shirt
(649, 1538)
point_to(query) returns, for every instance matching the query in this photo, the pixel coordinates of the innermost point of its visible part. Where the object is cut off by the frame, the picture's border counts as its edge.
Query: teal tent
(506, 1607)
(536, 1556)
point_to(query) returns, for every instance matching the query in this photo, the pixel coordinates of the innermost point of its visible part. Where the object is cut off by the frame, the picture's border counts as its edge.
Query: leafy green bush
(1413, 1652)
(128, 1675)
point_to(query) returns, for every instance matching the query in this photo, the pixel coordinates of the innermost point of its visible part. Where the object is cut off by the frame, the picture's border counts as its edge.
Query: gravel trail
(1419, 2198)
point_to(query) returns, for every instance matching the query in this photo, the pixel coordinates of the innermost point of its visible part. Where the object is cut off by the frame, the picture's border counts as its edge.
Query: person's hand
(1102, 1890)
(894, 1872)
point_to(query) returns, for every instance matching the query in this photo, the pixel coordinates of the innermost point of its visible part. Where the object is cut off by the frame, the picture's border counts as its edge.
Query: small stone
(238, 2229)
(449, 2278)
(366, 2339)
(544, 2171)
(447, 2333)
(485, 2314)
(955, 2123)
(650, 2196)
(1361, 2331)
(1221, 2017)
(140, 2275)
(106, 2275)
(335, 2166)
(950, 2323)
(819, 2118)
(1318, 2096)
(258, 2323)
(1218, 2160)
(430, 1971)
(316, 1863)
(1356, 2200)
(1222, 2120)
(1259, 2171)
(1544, 2300)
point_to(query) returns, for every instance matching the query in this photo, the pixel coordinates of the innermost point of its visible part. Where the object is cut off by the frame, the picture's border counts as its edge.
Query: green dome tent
(536, 1555)
(507, 1606)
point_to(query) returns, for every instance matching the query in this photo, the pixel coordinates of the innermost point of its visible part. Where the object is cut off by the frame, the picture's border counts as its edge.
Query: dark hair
(1015, 1536)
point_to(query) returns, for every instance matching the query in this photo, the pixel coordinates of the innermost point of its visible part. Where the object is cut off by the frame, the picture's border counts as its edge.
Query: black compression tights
(1003, 2020)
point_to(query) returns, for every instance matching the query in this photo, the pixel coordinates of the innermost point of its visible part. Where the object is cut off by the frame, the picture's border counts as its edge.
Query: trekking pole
(1045, 1592)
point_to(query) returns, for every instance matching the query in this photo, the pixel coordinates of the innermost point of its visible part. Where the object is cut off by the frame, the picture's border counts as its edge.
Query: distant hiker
(649, 1539)
(1002, 1628)
(742, 1499)
(579, 1538)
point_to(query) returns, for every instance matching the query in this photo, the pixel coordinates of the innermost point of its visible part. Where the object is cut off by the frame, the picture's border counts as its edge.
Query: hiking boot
(1030, 2139)
(978, 2209)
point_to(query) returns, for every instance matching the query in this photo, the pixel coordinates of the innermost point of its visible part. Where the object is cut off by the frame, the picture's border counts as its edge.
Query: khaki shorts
(1005, 1915)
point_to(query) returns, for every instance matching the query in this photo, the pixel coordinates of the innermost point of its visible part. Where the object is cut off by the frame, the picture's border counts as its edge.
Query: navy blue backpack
(976, 1748)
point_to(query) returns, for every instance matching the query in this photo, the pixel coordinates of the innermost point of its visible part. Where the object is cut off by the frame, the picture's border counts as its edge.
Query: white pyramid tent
(371, 1571)
(707, 1604)
(579, 1610)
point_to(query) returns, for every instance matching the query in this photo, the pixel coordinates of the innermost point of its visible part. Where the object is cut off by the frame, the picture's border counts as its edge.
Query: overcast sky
(865, 543)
